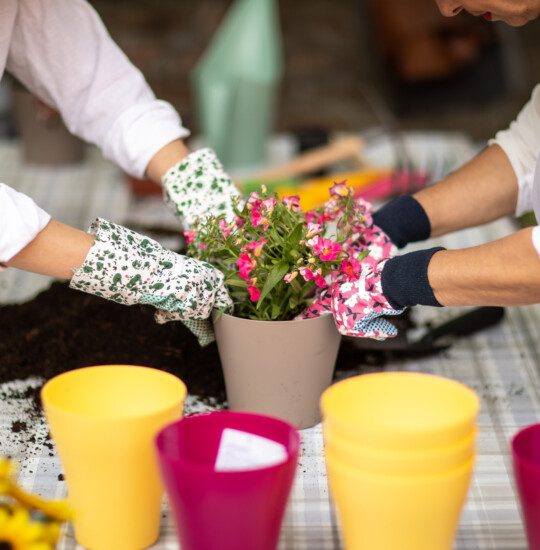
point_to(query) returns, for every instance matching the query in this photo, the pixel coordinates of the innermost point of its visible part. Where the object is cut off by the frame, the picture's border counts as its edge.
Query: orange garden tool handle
(341, 149)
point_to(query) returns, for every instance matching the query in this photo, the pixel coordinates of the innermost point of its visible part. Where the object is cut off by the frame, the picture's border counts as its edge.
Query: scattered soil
(62, 329)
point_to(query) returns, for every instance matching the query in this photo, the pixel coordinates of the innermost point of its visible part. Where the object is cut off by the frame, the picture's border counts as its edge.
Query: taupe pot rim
(218, 314)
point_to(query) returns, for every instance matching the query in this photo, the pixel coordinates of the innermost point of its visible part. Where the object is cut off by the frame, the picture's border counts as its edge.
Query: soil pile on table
(62, 329)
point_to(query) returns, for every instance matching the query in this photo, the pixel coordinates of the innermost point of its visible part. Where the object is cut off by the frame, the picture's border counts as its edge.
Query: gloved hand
(383, 288)
(198, 187)
(129, 268)
(357, 304)
(374, 241)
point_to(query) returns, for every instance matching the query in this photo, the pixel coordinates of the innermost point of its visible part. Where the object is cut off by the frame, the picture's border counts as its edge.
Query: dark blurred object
(44, 137)
(431, 59)
(310, 138)
(429, 340)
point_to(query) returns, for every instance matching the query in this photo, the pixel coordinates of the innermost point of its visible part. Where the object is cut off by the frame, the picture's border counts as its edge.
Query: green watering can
(236, 83)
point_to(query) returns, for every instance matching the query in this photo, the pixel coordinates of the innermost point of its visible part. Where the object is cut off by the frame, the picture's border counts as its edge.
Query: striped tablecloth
(501, 364)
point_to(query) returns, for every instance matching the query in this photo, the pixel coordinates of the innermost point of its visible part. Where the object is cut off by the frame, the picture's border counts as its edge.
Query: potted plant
(274, 257)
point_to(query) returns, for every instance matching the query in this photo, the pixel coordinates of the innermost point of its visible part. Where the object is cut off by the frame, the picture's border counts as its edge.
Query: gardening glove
(403, 220)
(383, 288)
(358, 305)
(374, 241)
(129, 268)
(198, 187)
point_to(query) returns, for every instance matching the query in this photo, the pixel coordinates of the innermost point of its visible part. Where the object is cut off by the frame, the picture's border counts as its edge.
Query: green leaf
(295, 235)
(274, 277)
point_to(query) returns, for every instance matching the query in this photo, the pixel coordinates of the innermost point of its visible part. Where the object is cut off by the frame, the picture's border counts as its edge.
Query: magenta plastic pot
(225, 510)
(526, 460)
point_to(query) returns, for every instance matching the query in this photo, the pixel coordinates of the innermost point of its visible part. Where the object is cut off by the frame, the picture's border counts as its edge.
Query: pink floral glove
(375, 241)
(358, 305)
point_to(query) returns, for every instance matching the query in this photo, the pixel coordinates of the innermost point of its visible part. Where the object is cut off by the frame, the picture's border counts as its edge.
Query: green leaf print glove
(198, 187)
(129, 268)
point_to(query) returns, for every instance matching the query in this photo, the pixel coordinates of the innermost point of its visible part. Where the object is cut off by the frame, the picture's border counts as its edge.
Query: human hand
(198, 187)
(373, 246)
(129, 268)
(357, 305)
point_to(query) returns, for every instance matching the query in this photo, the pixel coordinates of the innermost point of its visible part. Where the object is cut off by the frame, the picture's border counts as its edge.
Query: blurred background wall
(348, 63)
(461, 73)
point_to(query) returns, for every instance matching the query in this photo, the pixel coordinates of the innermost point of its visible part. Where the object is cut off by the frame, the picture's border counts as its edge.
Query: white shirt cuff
(20, 222)
(140, 132)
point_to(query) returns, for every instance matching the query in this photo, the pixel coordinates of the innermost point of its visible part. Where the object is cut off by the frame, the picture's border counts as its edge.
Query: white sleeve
(20, 221)
(521, 143)
(536, 238)
(61, 51)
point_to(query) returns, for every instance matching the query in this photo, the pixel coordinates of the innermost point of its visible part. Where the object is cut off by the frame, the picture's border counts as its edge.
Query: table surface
(500, 364)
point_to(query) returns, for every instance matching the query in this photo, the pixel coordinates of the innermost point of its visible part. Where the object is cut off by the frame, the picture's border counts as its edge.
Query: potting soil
(63, 329)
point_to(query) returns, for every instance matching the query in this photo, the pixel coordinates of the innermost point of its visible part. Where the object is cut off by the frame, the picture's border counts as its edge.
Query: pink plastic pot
(225, 510)
(526, 459)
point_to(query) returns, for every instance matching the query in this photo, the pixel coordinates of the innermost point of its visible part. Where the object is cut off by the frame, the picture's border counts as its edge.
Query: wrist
(404, 220)
(405, 282)
(165, 159)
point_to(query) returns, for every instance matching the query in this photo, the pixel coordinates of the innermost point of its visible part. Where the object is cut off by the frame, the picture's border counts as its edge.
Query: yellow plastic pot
(103, 420)
(400, 410)
(397, 462)
(379, 512)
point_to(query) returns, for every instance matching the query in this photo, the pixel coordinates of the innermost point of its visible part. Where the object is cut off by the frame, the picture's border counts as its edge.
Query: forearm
(502, 272)
(481, 191)
(56, 251)
(166, 158)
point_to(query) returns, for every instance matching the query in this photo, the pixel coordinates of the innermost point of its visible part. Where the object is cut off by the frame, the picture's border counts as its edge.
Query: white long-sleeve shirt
(521, 143)
(61, 51)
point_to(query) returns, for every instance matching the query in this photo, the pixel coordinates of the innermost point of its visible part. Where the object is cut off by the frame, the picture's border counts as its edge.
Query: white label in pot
(246, 451)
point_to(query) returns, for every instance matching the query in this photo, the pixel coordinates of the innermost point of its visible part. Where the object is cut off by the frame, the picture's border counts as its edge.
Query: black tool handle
(467, 323)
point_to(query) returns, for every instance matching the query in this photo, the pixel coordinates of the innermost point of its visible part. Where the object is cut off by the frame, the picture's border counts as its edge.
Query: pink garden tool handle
(225, 510)
(526, 461)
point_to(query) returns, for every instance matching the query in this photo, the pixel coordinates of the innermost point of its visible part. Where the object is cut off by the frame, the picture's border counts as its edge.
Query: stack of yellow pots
(400, 449)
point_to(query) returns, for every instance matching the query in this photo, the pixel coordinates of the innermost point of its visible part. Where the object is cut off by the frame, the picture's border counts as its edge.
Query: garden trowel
(431, 339)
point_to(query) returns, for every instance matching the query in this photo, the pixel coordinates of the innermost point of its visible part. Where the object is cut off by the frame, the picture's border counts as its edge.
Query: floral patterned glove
(129, 268)
(198, 187)
(379, 247)
(358, 305)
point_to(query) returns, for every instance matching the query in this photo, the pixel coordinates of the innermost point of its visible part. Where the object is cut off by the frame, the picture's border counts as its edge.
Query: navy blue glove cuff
(404, 220)
(404, 279)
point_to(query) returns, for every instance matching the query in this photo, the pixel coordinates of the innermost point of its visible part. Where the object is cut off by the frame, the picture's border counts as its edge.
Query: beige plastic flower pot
(279, 368)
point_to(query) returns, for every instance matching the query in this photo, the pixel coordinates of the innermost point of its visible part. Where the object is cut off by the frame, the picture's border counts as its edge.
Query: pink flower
(256, 247)
(312, 230)
(257, 219)
(225, 228)
(319, 281)
(290, 276)
(292, 202)
(326, 249)
(254, 201)
(351, 267)
(190, 236)
(239, 222)
(315, 276)
(312, 216)
(246, 264)
(306, 273)
(339, 188)
(254, 293)
(269, 204)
